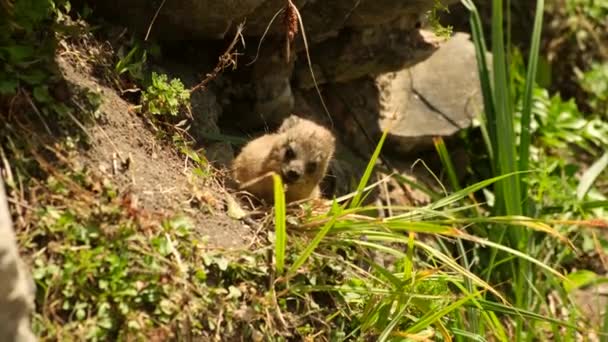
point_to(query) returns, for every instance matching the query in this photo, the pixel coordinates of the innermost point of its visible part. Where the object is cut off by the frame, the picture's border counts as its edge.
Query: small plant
(132, 63)
(164, 97)
(433, 20)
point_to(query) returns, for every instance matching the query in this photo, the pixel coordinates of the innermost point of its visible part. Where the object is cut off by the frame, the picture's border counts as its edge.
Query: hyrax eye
(311, 167)
(289, 153)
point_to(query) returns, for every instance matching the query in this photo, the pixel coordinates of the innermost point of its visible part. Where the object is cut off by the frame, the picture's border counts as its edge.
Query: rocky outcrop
(376, 65)
(212, 19)
(348, 39)
(437, 97)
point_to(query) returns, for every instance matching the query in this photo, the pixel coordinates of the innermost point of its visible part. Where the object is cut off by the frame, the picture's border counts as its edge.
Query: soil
(125, 150)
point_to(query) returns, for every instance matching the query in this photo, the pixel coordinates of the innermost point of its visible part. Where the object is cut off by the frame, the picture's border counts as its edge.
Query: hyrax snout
(299, 152)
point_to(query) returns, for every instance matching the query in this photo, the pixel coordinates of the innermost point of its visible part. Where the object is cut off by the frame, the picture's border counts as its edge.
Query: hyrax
(299, 152)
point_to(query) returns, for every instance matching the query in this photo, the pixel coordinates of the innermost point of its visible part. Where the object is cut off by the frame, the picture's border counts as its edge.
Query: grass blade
(432, 316)
(509, 310)
(279, 221)
(515, 252)
(446, 161)
(489, 113)
(459, 195)
(316, 240)
(368, 172)
(524, 142)
(590, 176)
(389, 328)
(505, 134)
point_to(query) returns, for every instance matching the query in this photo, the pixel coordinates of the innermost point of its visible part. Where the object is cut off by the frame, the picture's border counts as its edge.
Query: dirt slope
(124, 149)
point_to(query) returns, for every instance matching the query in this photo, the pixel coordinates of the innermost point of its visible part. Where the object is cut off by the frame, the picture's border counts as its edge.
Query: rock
(371, 51)
(444, 96)
(179, 19)
(321, 19)
(375, 12)
(274, 99)
(261, 95)
(212, 19)
(348, 39)
(437, 97)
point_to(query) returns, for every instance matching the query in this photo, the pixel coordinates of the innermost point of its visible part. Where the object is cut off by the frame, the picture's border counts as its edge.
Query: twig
(226, 59)
(103, 132)
(218, 324)
(308, 59)
(29, 100)
(264, 36)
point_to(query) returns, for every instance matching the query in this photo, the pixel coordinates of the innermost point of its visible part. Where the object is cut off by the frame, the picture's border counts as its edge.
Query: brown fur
(299, 152)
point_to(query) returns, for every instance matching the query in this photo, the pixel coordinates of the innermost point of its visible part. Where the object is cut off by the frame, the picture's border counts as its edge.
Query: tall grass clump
(393, 284)
(509, 149)
(455, 268)
(507, 154)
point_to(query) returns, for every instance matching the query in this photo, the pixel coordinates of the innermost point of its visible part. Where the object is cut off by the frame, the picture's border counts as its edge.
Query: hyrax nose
(291, 176)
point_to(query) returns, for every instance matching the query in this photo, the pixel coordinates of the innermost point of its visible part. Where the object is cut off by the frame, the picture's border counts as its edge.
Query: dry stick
(264, 36)
(225, 59)
(312, 74)
(154, 20)
(96, 126)
(308, 59)
(29, 100)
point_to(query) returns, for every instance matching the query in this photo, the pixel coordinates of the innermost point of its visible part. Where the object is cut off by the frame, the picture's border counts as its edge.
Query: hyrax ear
(288, 123)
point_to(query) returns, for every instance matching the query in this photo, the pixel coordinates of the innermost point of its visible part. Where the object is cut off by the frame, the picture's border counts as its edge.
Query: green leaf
(589, 177)
(578, 279)
(316, 240)
(18, 53)
(8, 86)
(279, 222)
(34, 76)
(368, 172)
(41, 94)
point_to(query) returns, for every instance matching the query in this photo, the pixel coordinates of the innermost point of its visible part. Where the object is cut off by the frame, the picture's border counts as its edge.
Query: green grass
(461, 268)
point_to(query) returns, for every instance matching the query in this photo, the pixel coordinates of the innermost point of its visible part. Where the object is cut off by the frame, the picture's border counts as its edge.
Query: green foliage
(595, 82)
(597, 10)
(105, 271)
(133, 63)
(524, 129)
(26, 44)
(163, 98)
(433, 19)
(101, 269)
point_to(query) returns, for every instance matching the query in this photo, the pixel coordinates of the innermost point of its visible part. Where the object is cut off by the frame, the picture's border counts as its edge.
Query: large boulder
(212, 19)
(437, 97)
(348, 40)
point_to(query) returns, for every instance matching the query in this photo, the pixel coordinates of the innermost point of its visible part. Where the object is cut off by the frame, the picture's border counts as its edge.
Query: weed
(163, 97)
(132, 63)
(433, 19)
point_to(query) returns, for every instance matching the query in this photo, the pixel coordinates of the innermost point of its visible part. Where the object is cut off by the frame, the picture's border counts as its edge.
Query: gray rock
(375, 12)
(180, 19)
(348, 39)
(212, 19)
(444, 96)
(274, 99)
(370, 51)
(437, 97)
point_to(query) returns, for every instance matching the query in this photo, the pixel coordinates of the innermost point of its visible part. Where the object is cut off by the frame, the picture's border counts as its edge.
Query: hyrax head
(305, 151)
